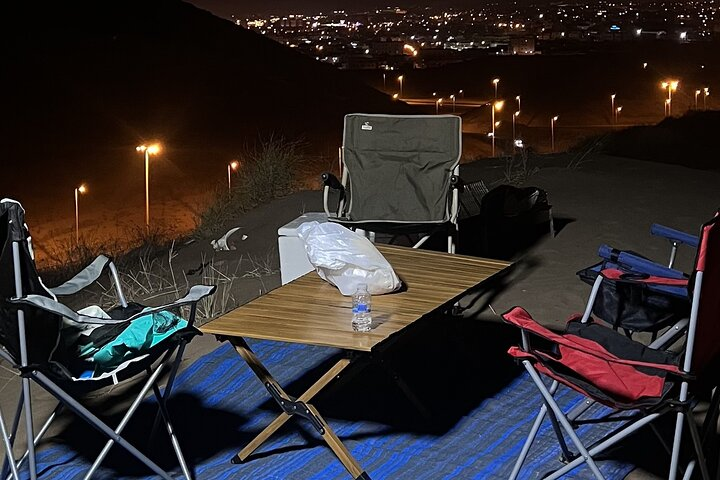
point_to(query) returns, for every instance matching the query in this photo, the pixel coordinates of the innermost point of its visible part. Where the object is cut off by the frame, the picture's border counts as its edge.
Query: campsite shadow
(202, 432)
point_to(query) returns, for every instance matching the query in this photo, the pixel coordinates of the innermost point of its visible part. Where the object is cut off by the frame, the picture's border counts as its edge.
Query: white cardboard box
(293, 259)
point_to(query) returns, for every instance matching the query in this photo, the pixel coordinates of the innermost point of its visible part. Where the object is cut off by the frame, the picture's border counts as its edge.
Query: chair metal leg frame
(533, 433)
(553, 406)
(586, 455)
(13, 432)
(711, 417)
(168, 386)
(9, 459)
(151, 382)
(98, 424)
(697, 443)
(299, 406)
(39, 435)
(171, 433)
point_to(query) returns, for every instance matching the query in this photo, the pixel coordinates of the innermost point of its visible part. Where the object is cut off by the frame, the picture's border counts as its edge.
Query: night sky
(226, 8)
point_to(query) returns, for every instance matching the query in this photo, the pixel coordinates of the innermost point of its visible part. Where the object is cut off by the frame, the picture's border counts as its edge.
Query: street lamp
(232, 167)
(452, 97)
(495, 83)
(707, 94)
(462, 93)
(617, 113)
(552, 132)
(496, 106)
(400, 79)
(438, 102)
(515, 115)
(612, 105)
(667, 106)
(517, 97)
(78, 190)
(147, 150)
(384, 87)
(671, 86)
(697, 92)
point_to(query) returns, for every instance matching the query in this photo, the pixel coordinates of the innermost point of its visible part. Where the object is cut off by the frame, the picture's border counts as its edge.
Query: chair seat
(70, 376)
(600, 363)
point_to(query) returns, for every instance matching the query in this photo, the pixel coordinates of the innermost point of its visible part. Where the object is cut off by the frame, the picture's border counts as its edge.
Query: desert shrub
(517, 169)
(269, 170)
(66, 258)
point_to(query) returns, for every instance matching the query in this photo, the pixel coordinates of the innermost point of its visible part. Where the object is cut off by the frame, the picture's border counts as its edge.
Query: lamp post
(452, 97)
(612, 106)
(697, 92)
(462, 93)
(552, 133)
(438, 102)
(496, 106)
(517, 97)
(495, 84)
(617, 114)
(400, 79)
(667, 106)
(707, 94)
(384, 82)
(515, 115)
(671, 86)
(232, 167)
(148, 150)
(79, 190)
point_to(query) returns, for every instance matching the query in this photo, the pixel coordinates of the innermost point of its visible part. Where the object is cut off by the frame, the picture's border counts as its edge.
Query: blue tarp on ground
(219, 405)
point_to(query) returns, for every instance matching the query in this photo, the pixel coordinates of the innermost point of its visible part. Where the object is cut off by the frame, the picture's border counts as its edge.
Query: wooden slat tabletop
(309, 310)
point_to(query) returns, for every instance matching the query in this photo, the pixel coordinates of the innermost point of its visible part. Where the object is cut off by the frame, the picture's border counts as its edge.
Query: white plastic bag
(346, 259)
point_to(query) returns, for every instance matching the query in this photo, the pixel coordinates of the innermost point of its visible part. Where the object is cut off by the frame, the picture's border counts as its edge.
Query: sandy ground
(607, 200)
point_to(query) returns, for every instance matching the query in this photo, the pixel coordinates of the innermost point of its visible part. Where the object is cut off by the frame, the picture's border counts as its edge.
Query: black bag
(633, 306)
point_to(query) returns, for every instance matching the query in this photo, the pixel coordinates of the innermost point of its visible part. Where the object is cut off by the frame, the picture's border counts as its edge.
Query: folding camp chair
(624, 374)
(69, 353)
(399, 175)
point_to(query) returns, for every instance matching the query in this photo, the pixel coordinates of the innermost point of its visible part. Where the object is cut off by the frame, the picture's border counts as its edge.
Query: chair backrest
(41, 329)
(705, 339)
(399, 166)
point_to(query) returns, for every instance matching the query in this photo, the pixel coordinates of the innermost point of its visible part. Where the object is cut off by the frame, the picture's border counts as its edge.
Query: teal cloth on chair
(141, 335)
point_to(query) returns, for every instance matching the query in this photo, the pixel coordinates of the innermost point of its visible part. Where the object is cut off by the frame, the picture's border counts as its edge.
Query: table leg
(297, 406)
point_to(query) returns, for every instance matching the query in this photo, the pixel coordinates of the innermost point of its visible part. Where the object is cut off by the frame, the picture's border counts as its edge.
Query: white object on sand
(222, 242)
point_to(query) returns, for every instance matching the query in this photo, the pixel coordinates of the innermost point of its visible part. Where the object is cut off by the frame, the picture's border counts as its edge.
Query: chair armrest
(674, 235)
(615, 274)
(457, 183)
(53, 306)
(194, 295)
(83, 278)
(331, 181)
(637, 263)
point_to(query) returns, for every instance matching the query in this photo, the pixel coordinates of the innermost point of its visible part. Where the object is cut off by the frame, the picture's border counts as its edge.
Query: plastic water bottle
(361, 316)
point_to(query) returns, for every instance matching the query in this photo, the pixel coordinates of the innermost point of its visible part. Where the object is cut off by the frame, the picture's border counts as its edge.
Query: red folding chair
(643, 383)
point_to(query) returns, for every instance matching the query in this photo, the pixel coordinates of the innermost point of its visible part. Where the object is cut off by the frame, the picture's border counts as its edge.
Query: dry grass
(268, 171)
(517, 169)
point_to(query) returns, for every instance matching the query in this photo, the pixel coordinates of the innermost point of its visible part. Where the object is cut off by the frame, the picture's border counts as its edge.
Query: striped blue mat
(219, 405)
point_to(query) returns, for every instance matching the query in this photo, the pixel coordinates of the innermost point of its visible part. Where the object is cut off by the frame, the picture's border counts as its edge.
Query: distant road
(464, 103)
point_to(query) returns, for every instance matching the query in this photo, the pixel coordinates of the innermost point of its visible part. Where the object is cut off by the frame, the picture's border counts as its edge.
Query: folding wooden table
(311, 311)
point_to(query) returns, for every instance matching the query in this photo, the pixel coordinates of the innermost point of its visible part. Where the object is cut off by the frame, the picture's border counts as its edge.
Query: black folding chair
(69, 353)
(399, 175)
